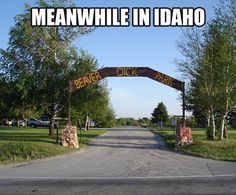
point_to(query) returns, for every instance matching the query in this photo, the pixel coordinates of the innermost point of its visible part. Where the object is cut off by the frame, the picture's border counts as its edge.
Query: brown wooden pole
(183, 104)
(69, 104)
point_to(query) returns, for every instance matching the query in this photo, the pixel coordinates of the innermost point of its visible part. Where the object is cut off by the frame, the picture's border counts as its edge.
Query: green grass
(217, 149)
(23, 144)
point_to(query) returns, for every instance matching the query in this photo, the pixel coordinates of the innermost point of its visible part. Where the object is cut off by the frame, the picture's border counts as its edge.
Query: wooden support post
(69, 104)
(183, 104)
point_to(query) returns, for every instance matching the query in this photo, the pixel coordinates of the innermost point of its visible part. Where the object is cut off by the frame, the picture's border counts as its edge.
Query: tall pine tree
(160, 114)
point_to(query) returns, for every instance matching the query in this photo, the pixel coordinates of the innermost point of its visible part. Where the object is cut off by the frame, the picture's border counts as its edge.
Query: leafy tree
(129, 121)
(92, 100)
(191, 121)
(200, 93)
(4, 99)
(121, 121)
(144, 120)
(147, 120)
(225, 33)
(39, 63)
(160, 113)
(141, 121)
(210, 67)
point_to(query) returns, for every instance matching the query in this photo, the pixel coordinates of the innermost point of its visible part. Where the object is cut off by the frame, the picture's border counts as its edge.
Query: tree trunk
(222, 127)
(213, 127)
(225, 132)
(87, 123)
(213, 124)
(209, 118)
(51, 125)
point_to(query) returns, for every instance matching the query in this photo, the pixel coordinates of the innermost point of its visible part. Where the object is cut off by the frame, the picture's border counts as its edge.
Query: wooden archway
(81, 82)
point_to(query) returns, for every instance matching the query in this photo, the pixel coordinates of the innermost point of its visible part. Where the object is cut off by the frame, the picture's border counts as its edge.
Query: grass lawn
(217, 149)
(23, 144)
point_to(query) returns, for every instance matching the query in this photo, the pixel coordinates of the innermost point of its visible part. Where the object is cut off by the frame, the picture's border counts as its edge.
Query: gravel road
(130, 152)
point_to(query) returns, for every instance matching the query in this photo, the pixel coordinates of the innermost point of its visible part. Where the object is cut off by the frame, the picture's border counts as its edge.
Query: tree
(160, 114)
(147, 120)
(121, 121)
(191, 121)
(92, 100)
(225, 32)
(209, 65)
(129, 121)
(39, 63)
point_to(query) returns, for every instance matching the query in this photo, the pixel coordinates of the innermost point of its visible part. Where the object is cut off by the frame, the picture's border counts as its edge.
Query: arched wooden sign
(126, 72)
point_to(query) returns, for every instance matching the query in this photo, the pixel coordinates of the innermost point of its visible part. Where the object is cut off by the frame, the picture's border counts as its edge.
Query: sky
(154, 47)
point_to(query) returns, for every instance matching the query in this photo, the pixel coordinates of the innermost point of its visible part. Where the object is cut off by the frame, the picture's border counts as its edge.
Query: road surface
(122, 161)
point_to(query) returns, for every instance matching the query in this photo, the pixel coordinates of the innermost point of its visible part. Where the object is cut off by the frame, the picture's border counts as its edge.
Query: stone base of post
(69, 137)
(183, 136)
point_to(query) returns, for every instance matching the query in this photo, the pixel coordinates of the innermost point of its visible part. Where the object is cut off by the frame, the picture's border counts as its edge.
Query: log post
(69, 104)
(183, 105)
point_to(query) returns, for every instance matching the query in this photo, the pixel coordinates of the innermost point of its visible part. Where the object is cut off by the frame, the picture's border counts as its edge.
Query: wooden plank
(126, 72)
